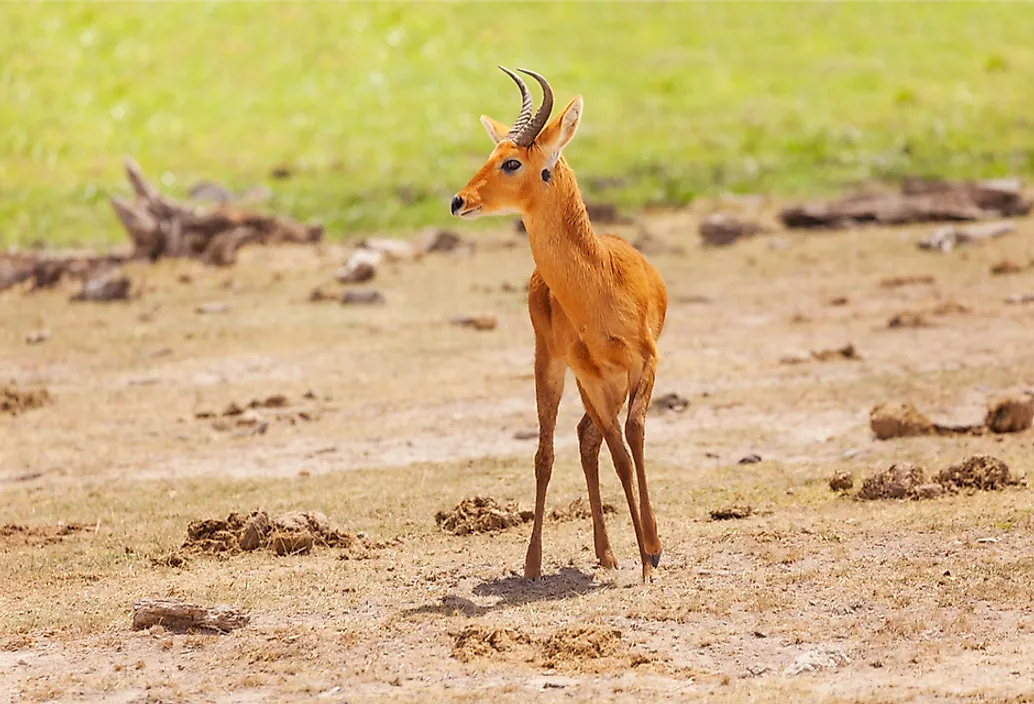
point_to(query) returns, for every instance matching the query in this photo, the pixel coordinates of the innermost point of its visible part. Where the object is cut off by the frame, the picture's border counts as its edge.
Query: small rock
(475, 322)
(899, 420)
(848, 351)
(817, 660)
(841, 481)
(360, 266)
(525, 435)
(391, 249)
(436, 240)
(909, 280)
(1010, 414)
(362, 296)
(720, 229)
(106, 287)
(357, 273)
(37, 336)
(727, 513)
(1020, 299)
(907, 319)
(752, 458)
(669, 402)
(212, 308)
(1005, 267)
(249, 418)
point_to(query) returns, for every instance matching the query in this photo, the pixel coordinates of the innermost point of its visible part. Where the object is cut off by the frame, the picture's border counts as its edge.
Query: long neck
(567, 252)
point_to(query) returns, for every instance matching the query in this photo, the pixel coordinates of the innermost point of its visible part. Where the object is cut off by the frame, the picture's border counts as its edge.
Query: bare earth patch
(813, 598)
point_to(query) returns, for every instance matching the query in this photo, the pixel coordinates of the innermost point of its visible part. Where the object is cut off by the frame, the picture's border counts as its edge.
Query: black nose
(457, 203)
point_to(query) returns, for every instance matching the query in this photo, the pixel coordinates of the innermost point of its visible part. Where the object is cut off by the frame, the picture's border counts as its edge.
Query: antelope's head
(521, 165)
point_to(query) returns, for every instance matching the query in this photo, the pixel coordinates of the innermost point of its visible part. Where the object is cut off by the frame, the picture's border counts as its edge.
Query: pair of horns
(527, 126)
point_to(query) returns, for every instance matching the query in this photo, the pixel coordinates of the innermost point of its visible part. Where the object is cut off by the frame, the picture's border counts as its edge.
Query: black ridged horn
(530, 131)
(526, 105)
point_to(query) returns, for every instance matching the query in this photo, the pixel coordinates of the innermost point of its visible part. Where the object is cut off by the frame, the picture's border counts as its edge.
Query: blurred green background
(374, 107)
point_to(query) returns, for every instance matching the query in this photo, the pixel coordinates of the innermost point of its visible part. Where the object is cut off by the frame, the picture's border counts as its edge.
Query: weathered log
(919, 200)
(160, 226)
(179, 616)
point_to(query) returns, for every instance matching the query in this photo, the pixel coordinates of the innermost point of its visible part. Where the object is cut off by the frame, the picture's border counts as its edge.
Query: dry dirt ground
(813, 596)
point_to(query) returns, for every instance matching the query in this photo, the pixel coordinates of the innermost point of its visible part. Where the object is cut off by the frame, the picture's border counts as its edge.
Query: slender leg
(605, 400)
(589, 442)
(549, 387)
(635, 432)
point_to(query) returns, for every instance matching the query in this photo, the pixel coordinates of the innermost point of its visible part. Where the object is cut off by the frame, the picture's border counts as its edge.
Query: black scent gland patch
(545, 175)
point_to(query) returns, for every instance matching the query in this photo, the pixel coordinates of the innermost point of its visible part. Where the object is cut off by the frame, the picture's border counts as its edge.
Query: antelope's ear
(556, 135)
(496, 129)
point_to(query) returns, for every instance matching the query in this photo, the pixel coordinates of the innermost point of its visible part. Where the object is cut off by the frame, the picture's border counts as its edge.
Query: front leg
(549, 387)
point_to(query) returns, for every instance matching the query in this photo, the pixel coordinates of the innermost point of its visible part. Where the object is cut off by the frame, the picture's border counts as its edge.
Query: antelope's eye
(510, 165)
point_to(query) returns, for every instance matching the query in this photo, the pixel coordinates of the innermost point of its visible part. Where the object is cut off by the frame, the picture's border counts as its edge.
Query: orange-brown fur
(597, 306)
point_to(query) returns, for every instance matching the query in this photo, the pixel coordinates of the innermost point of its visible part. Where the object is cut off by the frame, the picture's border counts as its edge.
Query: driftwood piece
(45, 271)
(160, 226)
(945, 239)
(179, 616)
(918, 200)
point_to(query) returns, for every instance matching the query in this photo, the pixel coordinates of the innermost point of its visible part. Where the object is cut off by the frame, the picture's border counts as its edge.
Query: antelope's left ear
(556, 135)
(496, 129)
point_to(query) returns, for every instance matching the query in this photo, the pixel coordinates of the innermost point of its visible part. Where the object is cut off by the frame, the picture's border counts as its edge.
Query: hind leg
(635, 432)
(590, 440)
(605, 398)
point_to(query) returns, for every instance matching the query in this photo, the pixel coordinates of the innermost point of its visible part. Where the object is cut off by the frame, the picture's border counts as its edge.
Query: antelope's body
(597, 307)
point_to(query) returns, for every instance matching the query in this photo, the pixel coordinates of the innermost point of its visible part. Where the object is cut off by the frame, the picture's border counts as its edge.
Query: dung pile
(14, 401)
(909, 481)
(292, 533)
(981, 472)
(577, 510)
(573, 648)
(899, 481)
(475, 642)
(732, 512)
(588, 648)
(481, 514)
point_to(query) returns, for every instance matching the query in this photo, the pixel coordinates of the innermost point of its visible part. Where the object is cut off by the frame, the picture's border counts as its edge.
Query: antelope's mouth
(471, 213)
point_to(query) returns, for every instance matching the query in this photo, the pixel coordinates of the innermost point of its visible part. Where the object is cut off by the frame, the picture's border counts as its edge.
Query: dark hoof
(655, 560)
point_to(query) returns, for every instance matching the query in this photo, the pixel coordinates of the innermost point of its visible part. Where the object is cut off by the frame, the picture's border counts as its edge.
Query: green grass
(375, 106)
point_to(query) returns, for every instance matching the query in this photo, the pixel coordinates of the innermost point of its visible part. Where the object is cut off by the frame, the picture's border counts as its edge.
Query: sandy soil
(392, 414)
